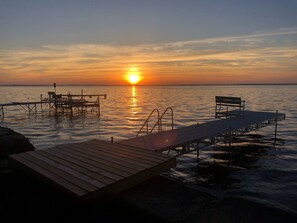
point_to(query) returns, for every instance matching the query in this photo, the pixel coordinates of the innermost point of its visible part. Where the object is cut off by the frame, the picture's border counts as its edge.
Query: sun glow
(133, 76)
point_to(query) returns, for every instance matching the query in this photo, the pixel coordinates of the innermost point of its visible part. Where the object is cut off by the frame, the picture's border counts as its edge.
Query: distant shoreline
(102, 85)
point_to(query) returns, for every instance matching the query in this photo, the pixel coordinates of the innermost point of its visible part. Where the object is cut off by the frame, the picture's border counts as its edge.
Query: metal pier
(187, 139)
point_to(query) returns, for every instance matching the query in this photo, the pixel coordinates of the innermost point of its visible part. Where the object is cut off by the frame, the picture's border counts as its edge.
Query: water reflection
(262, 171)
(219, 163)
(133, 88)
(133, 106)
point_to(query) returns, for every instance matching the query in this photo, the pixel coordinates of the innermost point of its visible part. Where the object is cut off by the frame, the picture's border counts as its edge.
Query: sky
(165, 41)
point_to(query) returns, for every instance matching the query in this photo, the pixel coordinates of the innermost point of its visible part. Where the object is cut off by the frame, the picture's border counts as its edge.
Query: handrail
(147, 120)
(159, 122)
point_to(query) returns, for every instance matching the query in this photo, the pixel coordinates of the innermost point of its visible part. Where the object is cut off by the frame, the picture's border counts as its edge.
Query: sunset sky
(164, 41)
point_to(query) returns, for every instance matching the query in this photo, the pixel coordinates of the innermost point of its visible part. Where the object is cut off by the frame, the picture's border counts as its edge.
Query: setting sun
(133, 76)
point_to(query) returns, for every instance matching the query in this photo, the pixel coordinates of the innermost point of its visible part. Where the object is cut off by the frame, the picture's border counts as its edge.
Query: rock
(12, 142)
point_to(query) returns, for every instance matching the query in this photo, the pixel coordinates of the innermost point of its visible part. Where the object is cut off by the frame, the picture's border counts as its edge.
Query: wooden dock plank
(134, 154)
(64, 166)
(138, 178)
(127, 162)
(101, 159)
(96, 162)
(87, 173)
(138, 151)
(104, 178)
(89, 164)
(23, 162)
(54, 169)
(120, 156)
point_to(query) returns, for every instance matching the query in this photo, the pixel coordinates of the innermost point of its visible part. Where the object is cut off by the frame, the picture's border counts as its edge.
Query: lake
(256, 167)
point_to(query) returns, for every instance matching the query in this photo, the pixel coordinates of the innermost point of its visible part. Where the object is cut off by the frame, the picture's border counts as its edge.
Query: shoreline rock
(11, 142)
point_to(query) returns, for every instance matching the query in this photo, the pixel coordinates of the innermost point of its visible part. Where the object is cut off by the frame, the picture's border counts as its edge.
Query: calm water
(256, 167)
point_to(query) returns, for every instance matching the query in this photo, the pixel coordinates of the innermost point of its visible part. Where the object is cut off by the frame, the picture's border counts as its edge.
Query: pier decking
(91, 169)
(209, 132)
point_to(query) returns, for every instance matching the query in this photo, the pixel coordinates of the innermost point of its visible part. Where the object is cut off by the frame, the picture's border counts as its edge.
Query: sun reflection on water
(134, 108)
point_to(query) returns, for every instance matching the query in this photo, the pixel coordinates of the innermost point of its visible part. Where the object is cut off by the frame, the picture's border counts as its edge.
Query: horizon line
(32, 85)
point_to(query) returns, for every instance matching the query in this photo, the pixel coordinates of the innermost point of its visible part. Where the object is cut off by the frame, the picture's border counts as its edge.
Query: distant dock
(30, 106)
(60, 103)
(69, 102)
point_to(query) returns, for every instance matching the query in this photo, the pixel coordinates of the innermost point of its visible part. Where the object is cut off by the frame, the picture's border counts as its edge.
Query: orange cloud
(260, 57)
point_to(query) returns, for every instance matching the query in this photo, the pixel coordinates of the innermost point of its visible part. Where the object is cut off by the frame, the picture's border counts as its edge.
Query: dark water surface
(256, 167)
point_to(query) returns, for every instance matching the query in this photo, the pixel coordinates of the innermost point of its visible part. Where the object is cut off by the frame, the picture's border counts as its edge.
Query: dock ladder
(158, 122)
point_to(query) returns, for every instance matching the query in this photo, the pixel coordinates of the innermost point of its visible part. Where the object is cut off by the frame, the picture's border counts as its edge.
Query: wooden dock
(68, 102)
(60, 103)
(95, 168)
(207, 133)
(30, 106)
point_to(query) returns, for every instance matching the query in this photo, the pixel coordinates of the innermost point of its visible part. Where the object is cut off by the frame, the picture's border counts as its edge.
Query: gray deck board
(91, 169)
(135, 150)
(132, 154)
(32, 167)
(166, 140)
(122, 156)
(96, 162)
(111, 160)
(91, 166)
(83, 170)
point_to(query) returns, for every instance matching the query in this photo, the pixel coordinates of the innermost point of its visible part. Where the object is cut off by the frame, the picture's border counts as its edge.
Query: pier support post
(99, 112)
(275, 128)
(197, 148)
(2, 111)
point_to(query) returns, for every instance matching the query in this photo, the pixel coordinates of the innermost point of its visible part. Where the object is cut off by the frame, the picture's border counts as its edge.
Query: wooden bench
(223, 105)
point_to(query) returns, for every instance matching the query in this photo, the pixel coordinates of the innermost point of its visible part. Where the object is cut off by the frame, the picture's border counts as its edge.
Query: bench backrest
(51, 94)
(228, 100)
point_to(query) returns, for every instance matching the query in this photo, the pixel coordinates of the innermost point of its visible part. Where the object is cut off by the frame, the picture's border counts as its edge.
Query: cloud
(257, 51)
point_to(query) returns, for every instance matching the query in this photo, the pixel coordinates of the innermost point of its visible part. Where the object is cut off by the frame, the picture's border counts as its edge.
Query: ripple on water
(256, 166)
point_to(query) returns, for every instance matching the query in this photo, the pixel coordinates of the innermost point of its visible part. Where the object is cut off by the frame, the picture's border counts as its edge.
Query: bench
(229, 106)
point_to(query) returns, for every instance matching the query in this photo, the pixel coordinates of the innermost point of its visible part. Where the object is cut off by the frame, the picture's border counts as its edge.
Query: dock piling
(275, 128)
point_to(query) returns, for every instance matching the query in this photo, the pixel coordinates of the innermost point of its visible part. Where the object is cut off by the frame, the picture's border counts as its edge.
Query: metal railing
(145, 124)
(158, 123)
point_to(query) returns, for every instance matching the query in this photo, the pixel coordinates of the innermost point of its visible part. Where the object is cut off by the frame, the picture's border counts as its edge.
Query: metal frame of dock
(60, 103)
(192, 138)
(30, 106)
(68, 102)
